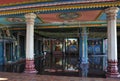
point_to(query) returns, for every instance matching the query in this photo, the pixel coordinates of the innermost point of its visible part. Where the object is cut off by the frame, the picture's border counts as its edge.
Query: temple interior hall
(73, 38)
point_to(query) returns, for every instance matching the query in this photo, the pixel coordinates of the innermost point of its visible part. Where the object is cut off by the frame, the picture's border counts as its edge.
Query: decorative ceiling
(70, 16)
(52, 14)
(88, 18)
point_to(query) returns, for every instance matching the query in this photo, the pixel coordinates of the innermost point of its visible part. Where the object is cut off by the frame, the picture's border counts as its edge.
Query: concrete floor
(35, 77)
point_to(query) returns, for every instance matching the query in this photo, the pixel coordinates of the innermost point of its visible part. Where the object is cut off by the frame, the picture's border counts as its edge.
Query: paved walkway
(34, 77)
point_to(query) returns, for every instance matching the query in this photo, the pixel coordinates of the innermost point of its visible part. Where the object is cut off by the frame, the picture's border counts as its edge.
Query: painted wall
(94, 48)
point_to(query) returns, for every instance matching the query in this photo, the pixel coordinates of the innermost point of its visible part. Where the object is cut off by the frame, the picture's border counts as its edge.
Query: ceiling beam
(57, 8)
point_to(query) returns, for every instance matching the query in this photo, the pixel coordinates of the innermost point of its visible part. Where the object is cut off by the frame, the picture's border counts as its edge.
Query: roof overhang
(55, 6)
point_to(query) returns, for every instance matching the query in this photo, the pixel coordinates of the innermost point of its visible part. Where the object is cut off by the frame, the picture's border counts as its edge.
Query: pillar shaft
(84, 52)
(18, 46)
(30, 67)
(112, 70)
(84, 45)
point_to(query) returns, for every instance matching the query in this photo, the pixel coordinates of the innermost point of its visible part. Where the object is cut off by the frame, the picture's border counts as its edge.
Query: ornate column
(30, 67)
(112, 69)
(84, 53)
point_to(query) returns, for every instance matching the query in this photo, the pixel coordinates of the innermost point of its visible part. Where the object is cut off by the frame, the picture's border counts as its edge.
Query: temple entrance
(60, 56)
(72, 55)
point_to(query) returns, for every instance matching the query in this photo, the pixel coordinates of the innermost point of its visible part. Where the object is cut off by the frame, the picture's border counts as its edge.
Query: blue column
(18, 46)
(84, 52)
(80, 48)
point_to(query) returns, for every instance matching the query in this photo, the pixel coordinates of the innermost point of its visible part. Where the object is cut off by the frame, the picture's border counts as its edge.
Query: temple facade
(53, 36)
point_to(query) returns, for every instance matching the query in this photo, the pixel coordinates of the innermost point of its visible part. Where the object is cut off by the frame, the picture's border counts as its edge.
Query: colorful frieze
(55, 7)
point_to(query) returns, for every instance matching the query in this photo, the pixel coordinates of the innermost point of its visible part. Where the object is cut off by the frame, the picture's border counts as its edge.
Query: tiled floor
(34, 77)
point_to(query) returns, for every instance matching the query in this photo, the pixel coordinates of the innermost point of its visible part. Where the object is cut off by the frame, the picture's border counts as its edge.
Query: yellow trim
(62, 7)
(50, 27)
(99, 15)
(40, 18)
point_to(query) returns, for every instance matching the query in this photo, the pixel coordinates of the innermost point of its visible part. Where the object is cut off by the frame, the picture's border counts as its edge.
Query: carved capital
(84, 32)
(111, 13)
(30, 18)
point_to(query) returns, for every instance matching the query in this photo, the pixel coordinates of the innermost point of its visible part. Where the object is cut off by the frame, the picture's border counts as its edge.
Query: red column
(112, 69)
(30, 67)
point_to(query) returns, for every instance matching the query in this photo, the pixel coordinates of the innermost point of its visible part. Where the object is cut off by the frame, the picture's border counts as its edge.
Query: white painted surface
(30, 35)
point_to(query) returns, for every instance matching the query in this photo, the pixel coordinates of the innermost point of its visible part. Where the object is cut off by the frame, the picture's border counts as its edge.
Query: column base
(110, 75)
(30, 67)
(112, 70)
(84, 68)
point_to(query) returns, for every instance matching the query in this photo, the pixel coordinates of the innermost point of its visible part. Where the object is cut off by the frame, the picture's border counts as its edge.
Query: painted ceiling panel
(3, 21)
(118, 15)
(103, 16)
(89, 15)
(15, 20)
(82, 16)
(51, 19)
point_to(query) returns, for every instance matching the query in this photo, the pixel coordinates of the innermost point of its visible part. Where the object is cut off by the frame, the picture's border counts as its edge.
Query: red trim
(112, 69)
(16, 2)
(30, 67)
(12, 1)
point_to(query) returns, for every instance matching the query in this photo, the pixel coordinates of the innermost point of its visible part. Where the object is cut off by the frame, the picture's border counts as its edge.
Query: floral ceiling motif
(73, 16)
(68, 16)
(15, 19)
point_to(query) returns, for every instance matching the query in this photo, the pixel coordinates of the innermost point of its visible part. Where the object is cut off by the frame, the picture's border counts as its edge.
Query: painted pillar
(84, 53)
(18, 46)
(112, 69)
(30, 67)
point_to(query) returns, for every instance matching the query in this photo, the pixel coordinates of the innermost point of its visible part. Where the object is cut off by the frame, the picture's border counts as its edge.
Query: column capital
(84, 32)
(30, 17)
(111, 13)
